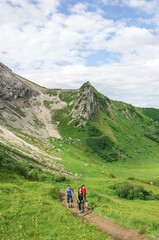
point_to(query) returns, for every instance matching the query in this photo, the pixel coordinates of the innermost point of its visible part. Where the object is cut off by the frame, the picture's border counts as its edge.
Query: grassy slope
(134, 137)
(140, 161)
(32, 210)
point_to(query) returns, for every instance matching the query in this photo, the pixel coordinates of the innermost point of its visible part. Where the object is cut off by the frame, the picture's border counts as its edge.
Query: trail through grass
(32, 210)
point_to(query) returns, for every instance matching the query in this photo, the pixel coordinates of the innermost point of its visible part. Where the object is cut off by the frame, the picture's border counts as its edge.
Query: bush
(111, 175)
(101, 143)
(130, 191)
(60, 179)
(112, 157)
(103, 146)
(157, 197)
(1, 158)
(34, 175)
(152, 138)
(152, 113)
(94, 132)
(21, 168)
(131, 178)
(43, 177)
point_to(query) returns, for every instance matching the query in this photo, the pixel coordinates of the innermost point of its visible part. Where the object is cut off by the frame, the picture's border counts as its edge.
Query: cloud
(144, 5)
(40, 40)
(148, 6)
(53, 48)
(132, 83)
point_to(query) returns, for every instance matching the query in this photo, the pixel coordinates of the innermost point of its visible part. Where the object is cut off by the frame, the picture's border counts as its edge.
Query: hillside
(82, 136)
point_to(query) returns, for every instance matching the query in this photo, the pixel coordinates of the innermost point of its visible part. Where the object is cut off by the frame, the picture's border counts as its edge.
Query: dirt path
(111, 228)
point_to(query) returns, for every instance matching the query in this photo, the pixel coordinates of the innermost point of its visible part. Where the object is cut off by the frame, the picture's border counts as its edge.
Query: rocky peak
(86, 102)
(10, 85)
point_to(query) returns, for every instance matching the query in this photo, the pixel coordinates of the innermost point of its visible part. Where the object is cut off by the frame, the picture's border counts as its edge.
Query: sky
(114, 44)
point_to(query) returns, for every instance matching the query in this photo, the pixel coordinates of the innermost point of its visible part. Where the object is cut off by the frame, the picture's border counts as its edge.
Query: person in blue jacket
(68, 193)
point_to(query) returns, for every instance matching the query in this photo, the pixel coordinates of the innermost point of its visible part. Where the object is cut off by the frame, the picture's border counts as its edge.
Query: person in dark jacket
(80, 200)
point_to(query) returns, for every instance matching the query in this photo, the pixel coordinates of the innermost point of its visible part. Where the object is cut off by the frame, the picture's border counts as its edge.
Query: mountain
(52, 137)
(103, 127)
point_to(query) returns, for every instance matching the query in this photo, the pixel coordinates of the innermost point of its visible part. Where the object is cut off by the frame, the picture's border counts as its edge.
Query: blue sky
(64, 43)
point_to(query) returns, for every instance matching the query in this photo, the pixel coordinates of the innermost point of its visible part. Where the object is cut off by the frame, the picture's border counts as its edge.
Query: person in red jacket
(84, 194)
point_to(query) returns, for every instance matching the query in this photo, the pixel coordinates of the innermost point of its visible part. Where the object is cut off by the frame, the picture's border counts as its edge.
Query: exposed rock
(10, 86)
(2, 106)
(121, 154)
(26, 104)
(150, 128)
(86, 102)
(87, 165)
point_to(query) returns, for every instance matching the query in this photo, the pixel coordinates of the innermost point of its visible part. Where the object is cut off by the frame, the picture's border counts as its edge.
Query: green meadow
(32, 210)
(129, 155)
(115, 154)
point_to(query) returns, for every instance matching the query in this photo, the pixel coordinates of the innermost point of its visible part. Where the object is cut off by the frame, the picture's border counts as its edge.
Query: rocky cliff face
(10, 86)
(86, 102)
(26, 106)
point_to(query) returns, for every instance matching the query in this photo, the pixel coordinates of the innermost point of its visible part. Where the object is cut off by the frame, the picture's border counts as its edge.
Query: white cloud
(133, 83)
(148, 6)
(61, 38)
(144, 5)
(38, 39)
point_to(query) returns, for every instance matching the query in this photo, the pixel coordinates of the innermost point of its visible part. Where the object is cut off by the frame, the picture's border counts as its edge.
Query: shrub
(130, 191)
(131, 178)
(1, 158)
(100, 143)
(34, 175)
(152, 138)
(157, 197)
(112, 157)
(103, 146)
(43, 177)
(157, 133)
(94, 132)
(60, 179)
(111, 175)
(152, 113)
(22, 168)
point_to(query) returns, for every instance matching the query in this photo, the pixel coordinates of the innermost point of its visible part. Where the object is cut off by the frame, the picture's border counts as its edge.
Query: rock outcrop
(86, 102)
(10, 86)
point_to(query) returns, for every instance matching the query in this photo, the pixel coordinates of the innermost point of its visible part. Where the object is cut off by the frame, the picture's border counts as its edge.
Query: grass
(140, 214)
(119, 128)
(32, 210)
(140, 163)
(68, 95)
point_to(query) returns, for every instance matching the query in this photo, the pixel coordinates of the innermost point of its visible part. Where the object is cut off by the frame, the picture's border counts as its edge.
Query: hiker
(84, 194)
(68, 193)
(80, 200)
